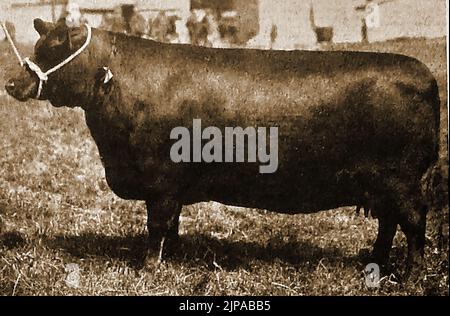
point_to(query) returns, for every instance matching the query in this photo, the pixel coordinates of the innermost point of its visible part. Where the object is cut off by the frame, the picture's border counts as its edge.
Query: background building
(398, 18)
(256, 18)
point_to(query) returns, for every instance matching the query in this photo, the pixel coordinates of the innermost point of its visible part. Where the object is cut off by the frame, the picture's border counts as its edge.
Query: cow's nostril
(9, 87)
(10, 84)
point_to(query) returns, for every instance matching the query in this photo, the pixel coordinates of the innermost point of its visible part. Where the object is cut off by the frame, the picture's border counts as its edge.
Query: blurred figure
(107, 22)
(160, 27)
(137, 24)
(114, 21)
(172, 31)
(364, 35)
(191, 27)
(273, 35)
(72, 15)
(203, 29)
(228, 28)
(199, 27)
(371, 18)
(213, 29)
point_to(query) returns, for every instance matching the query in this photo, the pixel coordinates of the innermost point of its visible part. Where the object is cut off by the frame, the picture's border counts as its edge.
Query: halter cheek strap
(43, 76)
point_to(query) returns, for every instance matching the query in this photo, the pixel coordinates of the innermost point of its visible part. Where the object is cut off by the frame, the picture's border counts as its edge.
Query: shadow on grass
(124, 248)
(202, 250)
(12, 240)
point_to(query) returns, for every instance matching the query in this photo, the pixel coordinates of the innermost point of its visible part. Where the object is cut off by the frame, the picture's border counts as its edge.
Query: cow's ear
(43, 27)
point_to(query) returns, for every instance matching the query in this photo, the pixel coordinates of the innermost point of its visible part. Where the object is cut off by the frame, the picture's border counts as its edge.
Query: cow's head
(65, 87)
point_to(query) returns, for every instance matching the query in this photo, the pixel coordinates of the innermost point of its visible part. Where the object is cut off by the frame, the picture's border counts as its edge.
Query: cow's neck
(76, 84)
(129, 60)
(105, 110)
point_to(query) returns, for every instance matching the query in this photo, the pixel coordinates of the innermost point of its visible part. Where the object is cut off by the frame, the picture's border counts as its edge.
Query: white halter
(43, 76)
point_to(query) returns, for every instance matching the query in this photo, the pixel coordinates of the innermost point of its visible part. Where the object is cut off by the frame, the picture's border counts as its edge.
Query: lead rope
(11, 42)
(43, 76)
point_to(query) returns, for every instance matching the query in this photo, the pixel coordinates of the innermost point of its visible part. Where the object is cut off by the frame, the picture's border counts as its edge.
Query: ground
(56, 209)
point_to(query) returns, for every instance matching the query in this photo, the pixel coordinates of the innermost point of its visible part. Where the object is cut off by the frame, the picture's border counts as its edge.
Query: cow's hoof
(161, 250)
(368, 257)
(152, 260)
(413, 276)
(413, 284)
(172, 247)
(365, 255)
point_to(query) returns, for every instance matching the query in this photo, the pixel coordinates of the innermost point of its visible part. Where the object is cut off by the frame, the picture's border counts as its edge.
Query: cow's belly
(287, 191)
(125, 182)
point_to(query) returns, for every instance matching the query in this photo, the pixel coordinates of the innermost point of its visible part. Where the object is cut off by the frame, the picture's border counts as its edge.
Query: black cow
(352, 125)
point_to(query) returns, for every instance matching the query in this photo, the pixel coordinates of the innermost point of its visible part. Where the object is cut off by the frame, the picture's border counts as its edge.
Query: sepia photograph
(224, 148)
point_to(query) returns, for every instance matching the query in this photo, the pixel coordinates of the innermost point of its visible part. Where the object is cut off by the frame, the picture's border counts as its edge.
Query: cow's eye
(55, 44)
(50, 52)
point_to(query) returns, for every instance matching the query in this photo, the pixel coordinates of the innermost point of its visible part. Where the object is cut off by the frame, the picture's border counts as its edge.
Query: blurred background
(277, 24)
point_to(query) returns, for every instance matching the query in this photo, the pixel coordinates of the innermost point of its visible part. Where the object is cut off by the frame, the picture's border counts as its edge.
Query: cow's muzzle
(21, 91)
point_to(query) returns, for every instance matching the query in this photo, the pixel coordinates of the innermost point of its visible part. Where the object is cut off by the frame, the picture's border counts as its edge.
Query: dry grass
(56, 209)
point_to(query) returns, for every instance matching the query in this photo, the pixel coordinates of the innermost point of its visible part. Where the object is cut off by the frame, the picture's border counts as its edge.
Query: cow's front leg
(162, 223)
(387, 227)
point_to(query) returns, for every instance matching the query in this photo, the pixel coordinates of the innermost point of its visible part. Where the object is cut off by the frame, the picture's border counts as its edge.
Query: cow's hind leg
(413, 224)
(411, 212)
(162, 223)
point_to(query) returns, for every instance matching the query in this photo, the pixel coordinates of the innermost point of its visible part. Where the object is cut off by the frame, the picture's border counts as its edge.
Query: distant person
(191, 25)
(228, 28)
(214, 37)
(137, 24)
(116, 22)
(371, 18)
(172, 30)
(273, 35)
(364, 34)
(199, 27)
(111, 21)
(72, 15)
(159, 27)
(203, 30)
(107, 22)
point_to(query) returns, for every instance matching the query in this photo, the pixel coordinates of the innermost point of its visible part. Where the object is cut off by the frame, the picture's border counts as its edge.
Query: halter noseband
(43, 76)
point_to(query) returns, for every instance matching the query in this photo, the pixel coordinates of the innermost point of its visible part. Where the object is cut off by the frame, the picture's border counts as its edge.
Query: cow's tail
(434, 188)
(435, 196)
(432, 94)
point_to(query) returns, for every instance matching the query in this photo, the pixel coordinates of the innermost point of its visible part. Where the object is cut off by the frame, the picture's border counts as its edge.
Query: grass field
(56, 209)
